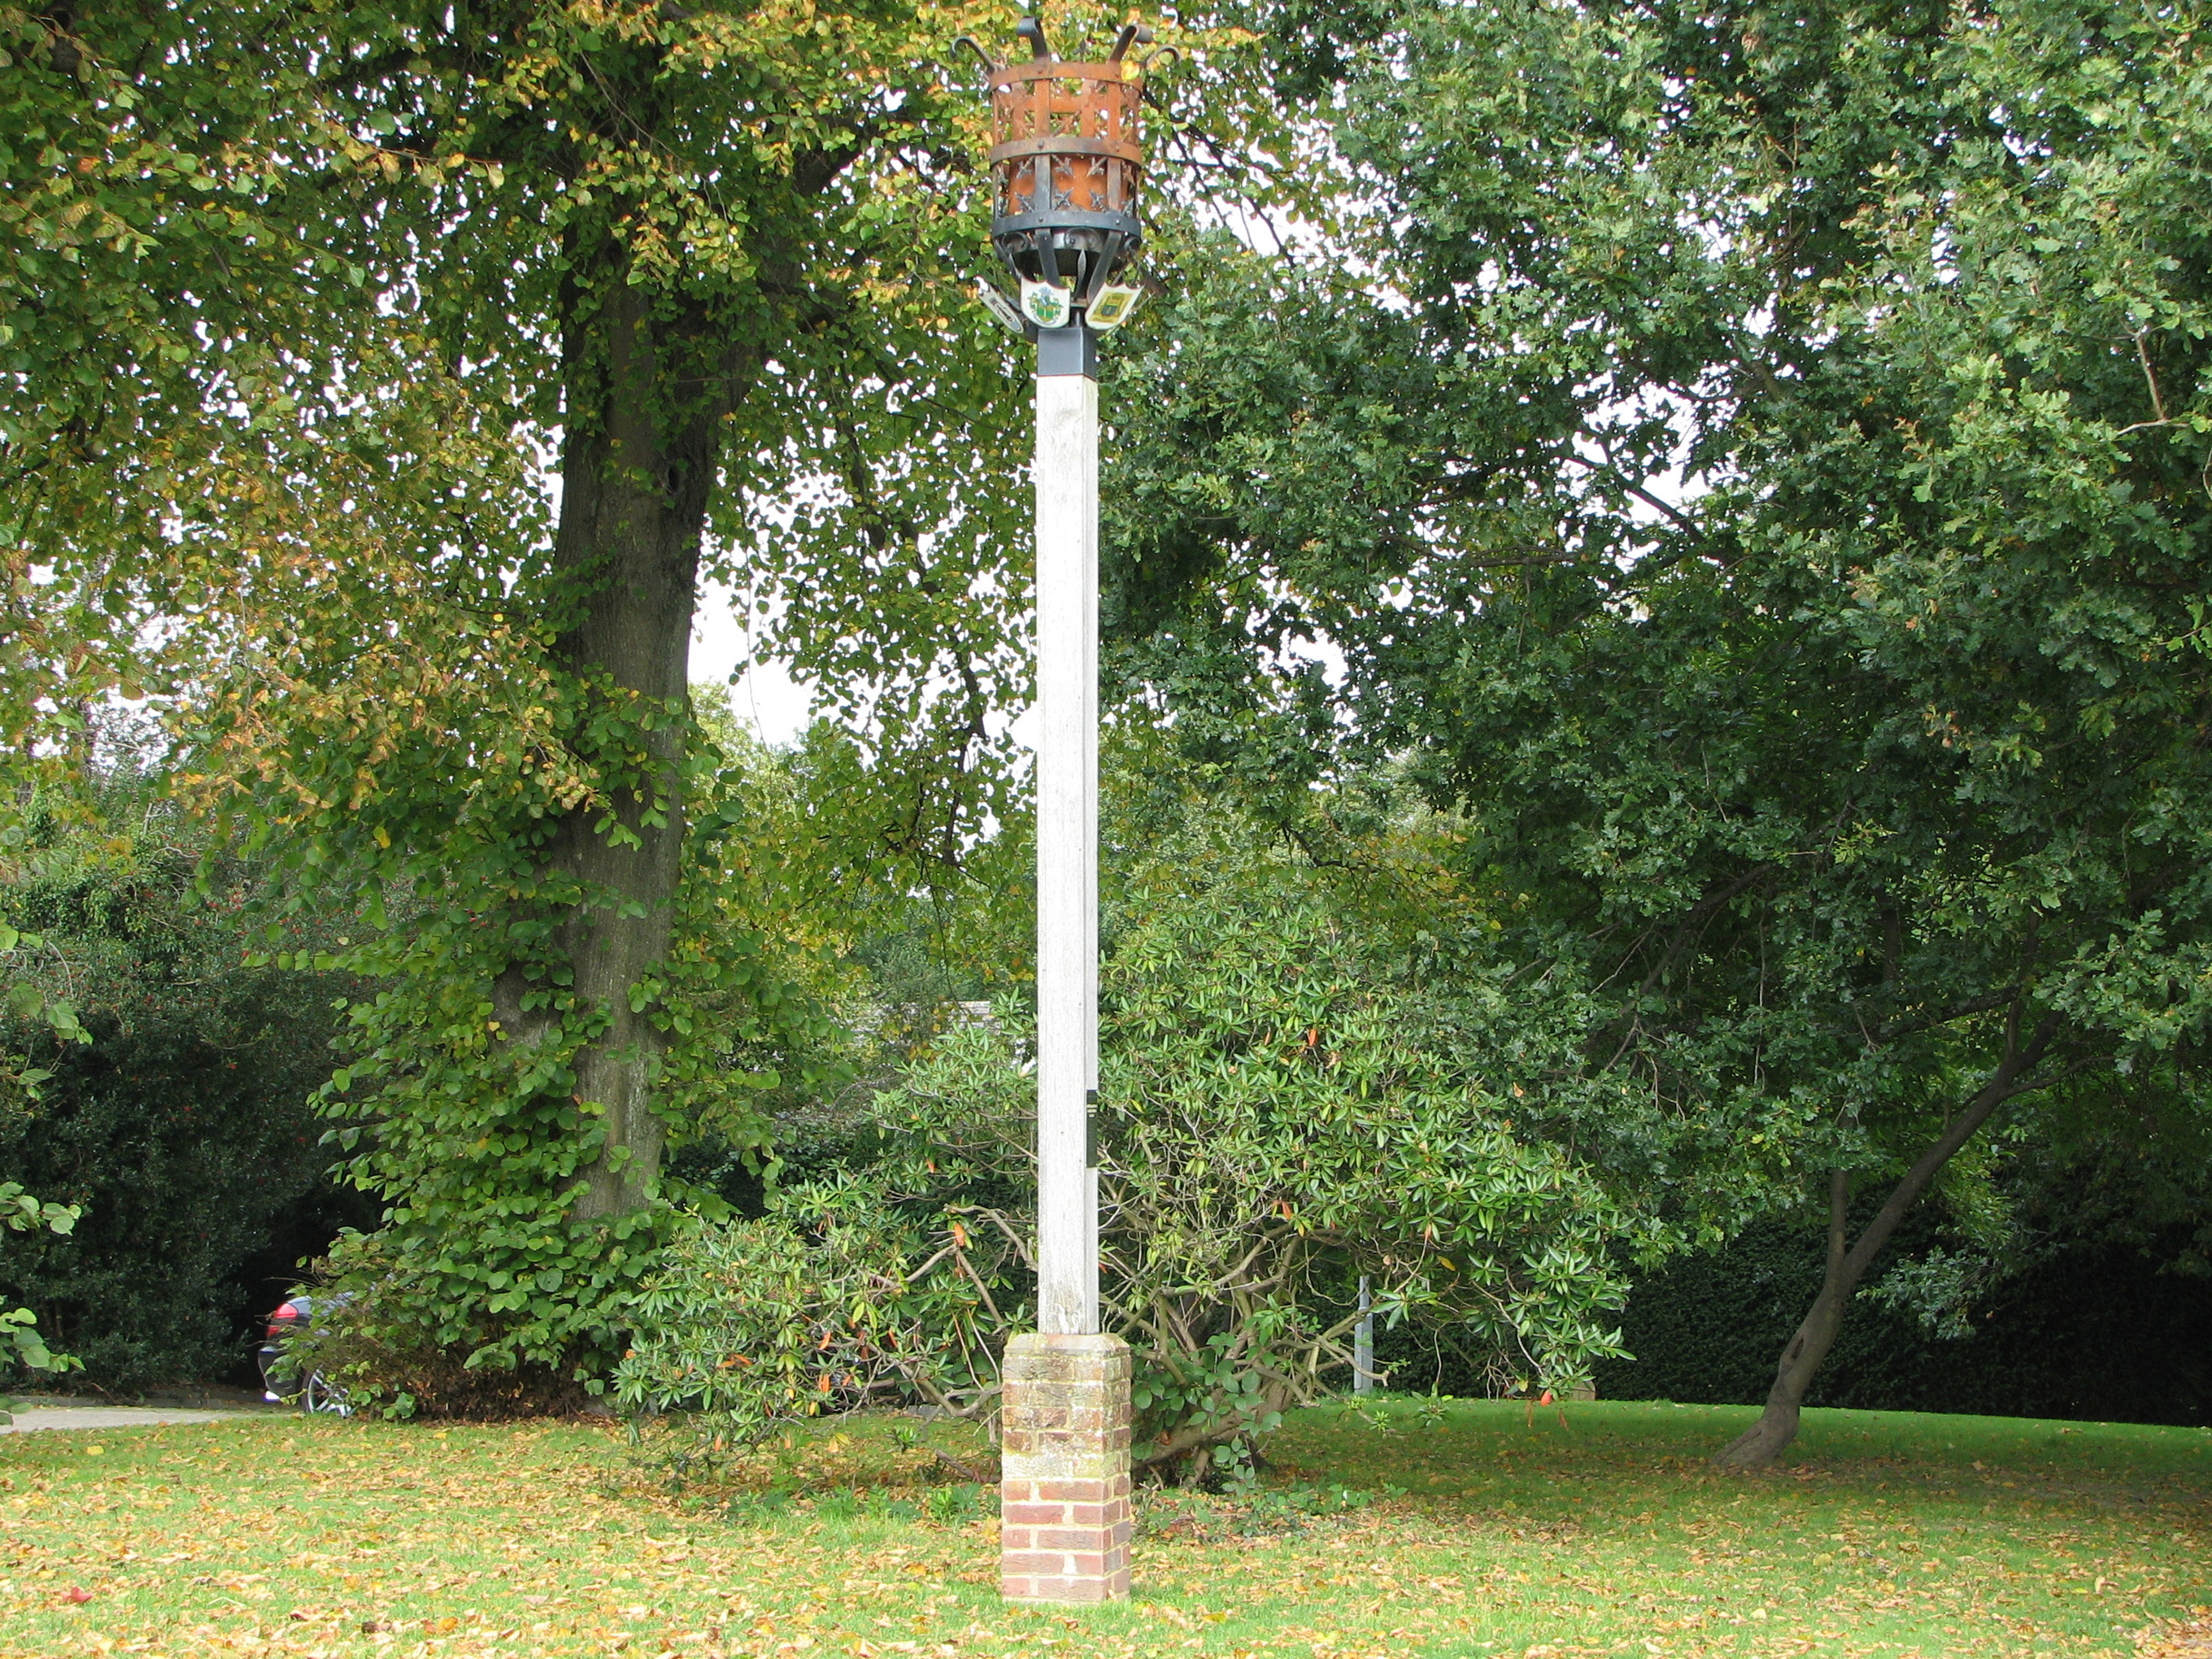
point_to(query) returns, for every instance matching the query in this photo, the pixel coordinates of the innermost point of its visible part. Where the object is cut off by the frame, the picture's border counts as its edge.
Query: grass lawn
(1467, 1533)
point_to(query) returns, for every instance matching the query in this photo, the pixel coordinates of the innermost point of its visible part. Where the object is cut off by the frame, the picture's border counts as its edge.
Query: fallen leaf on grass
(2191, 1641)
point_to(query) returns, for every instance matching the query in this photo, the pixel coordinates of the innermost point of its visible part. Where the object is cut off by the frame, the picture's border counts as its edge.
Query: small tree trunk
(1769, 1438)
(1777, 1424)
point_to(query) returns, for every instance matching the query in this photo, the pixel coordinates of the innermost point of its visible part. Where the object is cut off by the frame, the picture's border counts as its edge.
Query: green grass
(1475, 1533)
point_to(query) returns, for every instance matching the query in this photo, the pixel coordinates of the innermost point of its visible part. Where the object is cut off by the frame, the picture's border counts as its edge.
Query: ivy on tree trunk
(647, 389)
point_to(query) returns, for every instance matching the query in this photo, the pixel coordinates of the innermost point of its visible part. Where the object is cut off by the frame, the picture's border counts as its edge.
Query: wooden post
(1064, 1487)
(1068, 835)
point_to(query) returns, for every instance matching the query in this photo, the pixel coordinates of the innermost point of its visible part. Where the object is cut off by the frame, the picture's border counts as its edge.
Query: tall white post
(1064, 1516)
(1065, 1417)
(1067, 840)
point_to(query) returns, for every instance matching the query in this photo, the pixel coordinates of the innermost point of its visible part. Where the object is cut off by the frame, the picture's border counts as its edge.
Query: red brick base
(1064, 1513)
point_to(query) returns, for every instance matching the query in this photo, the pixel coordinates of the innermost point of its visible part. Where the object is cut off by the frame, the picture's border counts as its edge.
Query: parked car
(314, 1393)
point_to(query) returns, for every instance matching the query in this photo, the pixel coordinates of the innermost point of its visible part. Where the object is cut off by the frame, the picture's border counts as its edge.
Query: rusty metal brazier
(1067, 161)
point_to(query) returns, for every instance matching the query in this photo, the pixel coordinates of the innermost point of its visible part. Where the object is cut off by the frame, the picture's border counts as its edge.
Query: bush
(387, 1365)
(20, 1340)
(829, 1303)
(461, 1104)
(1273, 1126)
(181, 1127)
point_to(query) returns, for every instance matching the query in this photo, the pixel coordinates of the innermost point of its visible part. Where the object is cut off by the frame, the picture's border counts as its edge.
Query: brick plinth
(1064, 1492)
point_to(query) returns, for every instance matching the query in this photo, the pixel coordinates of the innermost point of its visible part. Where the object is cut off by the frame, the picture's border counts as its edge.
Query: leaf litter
(1391, 1533)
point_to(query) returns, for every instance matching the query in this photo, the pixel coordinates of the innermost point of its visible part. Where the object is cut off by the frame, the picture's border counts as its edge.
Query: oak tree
(1753, 473)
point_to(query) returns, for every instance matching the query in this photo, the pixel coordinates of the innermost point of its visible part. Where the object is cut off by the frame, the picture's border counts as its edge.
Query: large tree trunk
(1769, 1438)
(646, 396)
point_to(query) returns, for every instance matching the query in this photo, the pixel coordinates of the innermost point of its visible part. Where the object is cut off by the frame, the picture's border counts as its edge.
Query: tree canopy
(381, 385)
(1729, 482)
(1754, 472)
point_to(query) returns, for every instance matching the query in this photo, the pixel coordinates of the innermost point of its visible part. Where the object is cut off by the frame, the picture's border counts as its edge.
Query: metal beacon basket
(1068, 164)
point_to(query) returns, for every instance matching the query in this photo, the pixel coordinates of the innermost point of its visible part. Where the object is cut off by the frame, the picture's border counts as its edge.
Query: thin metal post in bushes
(1363, 1343)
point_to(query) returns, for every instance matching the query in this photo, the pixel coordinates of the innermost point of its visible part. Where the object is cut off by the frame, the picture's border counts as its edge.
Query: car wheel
(319, 1394)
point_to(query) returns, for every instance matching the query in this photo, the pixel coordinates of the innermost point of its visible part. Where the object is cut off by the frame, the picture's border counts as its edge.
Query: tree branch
(2001, 1087)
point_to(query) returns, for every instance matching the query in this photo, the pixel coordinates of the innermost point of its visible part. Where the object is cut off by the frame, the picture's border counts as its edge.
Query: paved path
(34, 1418)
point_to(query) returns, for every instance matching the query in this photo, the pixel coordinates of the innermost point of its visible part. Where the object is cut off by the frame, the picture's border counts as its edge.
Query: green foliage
(2090, 1300)
(172, 1106)
(1276, 1119)
(2096, 1332)
(295, 306)
(1796, 612)
(290, 300)
(32, 1006)
(478, 1142)
(25, 1345)
(1287, 1107)
(827, 1303)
